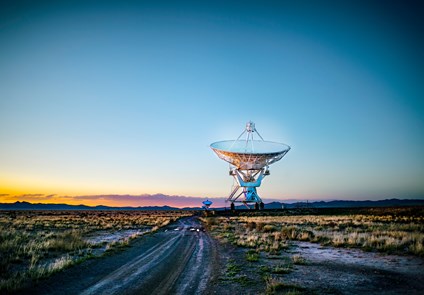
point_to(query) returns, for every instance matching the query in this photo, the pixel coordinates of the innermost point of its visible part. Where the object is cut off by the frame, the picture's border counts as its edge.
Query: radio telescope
(206, 204)
(249, 160)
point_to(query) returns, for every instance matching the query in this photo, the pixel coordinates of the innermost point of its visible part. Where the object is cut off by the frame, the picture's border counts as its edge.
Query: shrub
(259, 226)
(268, 228)
(251, 225)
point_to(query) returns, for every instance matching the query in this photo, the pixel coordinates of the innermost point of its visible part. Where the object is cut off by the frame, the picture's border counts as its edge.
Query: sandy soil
(327, 270)
(332, 270)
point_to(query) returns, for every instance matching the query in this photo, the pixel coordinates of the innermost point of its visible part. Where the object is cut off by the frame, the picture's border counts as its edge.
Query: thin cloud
(32, 196)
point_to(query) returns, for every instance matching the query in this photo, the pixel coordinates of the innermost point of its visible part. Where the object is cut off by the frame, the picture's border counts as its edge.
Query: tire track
(198, 271)
(177, 265)
(129, 272)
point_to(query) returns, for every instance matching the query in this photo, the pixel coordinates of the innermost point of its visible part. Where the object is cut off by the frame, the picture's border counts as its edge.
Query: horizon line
(162, 206)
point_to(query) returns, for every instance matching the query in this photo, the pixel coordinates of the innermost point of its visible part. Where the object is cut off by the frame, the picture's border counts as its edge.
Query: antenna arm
(259, 134)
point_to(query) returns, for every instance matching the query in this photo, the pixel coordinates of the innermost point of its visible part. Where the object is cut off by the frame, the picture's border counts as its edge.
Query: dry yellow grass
(35, 244)
(397, 232)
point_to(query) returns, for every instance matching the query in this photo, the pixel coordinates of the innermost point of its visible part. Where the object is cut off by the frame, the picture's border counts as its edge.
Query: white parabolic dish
(250, 155)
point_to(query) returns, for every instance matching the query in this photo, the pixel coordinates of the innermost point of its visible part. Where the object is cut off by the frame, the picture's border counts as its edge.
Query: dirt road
(176, 260)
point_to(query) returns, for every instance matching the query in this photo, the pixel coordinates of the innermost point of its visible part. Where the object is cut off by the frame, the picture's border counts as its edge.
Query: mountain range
(273, 205)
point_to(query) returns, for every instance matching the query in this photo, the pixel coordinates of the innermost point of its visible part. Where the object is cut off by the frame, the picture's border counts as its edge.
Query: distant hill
(339, 204)
(347, 204)
(40, 206)
(272, 205)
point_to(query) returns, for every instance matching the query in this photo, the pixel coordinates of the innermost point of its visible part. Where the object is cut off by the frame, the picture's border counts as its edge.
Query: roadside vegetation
(266, 237)
(394, 230)
(36, 244)
(274, 286)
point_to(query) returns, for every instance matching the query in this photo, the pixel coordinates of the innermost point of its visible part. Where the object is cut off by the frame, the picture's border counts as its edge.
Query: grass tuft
(274, 286)
(297, 259)
(280, 269)
(252, 256)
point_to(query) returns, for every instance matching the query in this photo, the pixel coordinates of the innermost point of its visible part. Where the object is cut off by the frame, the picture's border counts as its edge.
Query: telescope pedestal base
(258, 206)
(248, 181)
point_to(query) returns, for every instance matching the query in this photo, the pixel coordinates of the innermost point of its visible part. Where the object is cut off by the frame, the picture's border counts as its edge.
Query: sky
(123, 98)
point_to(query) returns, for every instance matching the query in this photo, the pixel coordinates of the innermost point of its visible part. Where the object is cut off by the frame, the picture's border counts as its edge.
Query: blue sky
(125, 98)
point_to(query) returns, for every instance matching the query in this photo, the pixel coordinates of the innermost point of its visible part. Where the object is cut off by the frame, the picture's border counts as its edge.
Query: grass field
(268, 245)
(393, 230)
(36, 244)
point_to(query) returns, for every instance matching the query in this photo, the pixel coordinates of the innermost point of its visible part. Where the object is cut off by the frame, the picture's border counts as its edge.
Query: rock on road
(177, 260)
